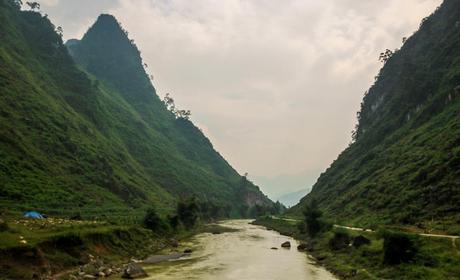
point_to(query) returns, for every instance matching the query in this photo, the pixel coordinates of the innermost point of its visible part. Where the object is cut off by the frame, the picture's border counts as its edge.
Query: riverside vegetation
(382, 253)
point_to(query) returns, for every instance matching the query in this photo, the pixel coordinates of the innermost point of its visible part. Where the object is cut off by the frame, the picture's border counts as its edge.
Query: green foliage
(341, 240)
(187, 212)
(436, 258)
(3, 226)
(173, 222)
(399, 248)
(403, 166)
(94, 137)
(312, 218)
(153, 222)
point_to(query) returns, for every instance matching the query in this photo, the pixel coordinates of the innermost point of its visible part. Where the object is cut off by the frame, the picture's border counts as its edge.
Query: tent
(33, 215)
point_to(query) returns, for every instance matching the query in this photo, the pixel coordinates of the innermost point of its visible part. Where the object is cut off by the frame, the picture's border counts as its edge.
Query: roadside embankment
(375, 255)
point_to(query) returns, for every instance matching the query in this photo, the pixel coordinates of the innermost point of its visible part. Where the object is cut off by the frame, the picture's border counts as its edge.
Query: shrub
(302, 227)
(312, 220)
(152, 221)
(360, 240)
(3, 226)
(173, 222)
(341, 240)
(187, 212)
(399, 248)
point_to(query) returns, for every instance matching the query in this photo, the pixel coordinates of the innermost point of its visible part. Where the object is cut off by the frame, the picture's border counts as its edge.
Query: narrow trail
(452, 237)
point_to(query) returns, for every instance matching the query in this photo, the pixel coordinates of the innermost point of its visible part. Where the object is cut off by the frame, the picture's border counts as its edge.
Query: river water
(245, 254)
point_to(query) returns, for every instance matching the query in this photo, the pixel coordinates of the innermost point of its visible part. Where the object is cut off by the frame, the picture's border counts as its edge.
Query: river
(244, 254)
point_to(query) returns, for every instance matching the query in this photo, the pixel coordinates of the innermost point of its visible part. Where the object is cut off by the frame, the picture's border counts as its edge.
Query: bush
(187, 212)
(312, 220)
(341, 240)
(152, 221)
(302, 227)
(173, 222)
(360, 240)
(399, 248)
(3, 226)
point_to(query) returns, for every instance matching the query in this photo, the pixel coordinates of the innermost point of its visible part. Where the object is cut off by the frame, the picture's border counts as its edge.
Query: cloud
(275, 84)
(49, 3)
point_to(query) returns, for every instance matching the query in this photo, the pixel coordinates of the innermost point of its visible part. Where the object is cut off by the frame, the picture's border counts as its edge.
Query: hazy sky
(275, 84)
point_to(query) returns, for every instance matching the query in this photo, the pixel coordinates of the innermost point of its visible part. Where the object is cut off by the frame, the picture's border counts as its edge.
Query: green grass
(436, 257)
(54, 245)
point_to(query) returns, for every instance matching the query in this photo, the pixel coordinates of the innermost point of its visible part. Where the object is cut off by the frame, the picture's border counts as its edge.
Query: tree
(386, 55)
(187, 212)
(33, 5)
(152, 221)
(399, 248)
(18, 3)
(171, 106)
(60, 31)
(173, 221)
(312, 216)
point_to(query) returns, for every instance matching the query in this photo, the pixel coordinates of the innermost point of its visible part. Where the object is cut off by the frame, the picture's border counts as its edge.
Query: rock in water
(302, 247)
(133, 271)
(188, 251)
(286, 244)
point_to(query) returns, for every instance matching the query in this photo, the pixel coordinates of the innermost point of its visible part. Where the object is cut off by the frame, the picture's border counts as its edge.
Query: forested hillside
(90, 134)
(404, 165)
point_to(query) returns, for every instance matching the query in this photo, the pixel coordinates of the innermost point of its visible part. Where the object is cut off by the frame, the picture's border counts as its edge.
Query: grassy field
(31, 247)
(436, 258)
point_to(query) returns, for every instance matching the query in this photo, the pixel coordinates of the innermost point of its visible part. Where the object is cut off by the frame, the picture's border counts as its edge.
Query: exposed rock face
(360, 240)
(286, 244)
(133, 271)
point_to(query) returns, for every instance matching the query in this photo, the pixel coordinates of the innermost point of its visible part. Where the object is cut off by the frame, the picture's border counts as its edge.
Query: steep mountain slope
(404, 166)
(102, 142)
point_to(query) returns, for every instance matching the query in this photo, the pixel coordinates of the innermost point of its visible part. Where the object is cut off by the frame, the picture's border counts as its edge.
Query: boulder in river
(302, 247)
(133, 271)
(174, 243)
(286, 244)
(188, 251)
(274, 248)
(161, 258)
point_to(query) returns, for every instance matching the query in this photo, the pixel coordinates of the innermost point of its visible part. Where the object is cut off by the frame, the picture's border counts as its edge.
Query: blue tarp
(33, 215)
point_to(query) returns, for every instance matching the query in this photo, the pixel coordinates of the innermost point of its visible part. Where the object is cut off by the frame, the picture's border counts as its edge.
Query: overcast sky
(275, 84)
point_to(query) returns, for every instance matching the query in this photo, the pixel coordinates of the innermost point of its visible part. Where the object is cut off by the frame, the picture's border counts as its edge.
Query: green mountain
(90, 134)
(404, 165)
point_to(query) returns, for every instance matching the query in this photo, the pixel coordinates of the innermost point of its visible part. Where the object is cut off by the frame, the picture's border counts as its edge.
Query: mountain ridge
(403, 166)
(92, 142)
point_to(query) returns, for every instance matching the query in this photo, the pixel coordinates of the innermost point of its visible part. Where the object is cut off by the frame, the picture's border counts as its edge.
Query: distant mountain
(88, 133)
(293, 198)
(404, 167)
(282, 184)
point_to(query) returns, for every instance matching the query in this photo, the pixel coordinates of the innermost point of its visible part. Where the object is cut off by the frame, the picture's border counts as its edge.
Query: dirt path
(452, 237)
